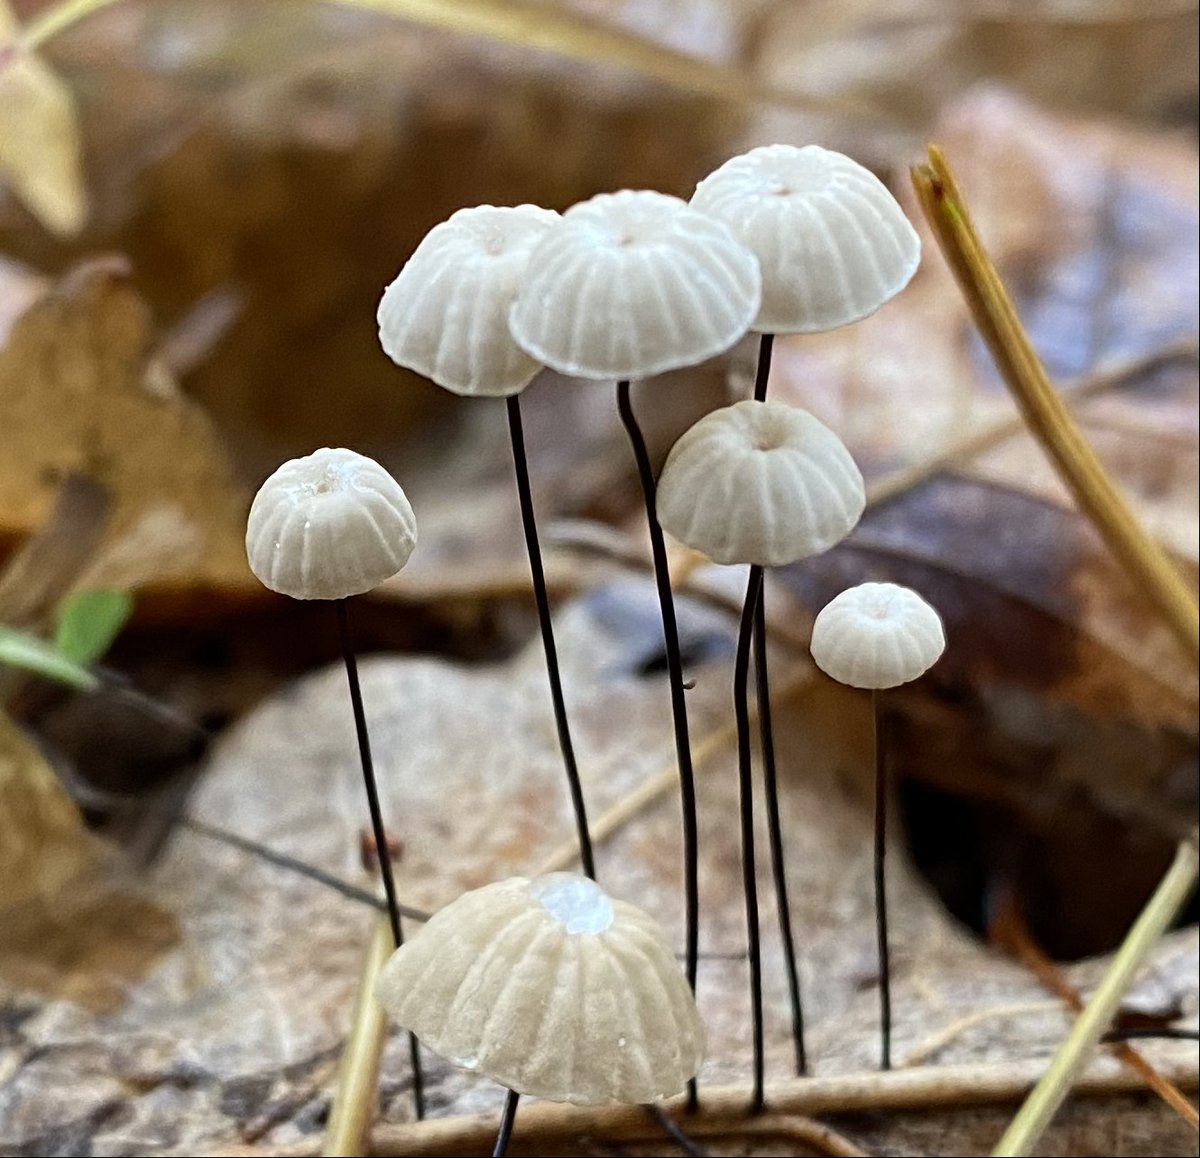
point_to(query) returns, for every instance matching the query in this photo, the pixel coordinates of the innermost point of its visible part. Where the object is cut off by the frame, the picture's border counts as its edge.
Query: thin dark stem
(507, 1116)
(766, 344)
(881, 926)
(675, 1132)
(741, 714)
(683, 749)
(542, 599)
(775, 829)
(1137, 1033)
(381, 844)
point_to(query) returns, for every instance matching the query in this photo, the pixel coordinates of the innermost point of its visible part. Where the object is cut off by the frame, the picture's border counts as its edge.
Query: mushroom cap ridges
(446, 313)
(832, 243)
(760, 482)
(631, 284)
(552, 989)
(877, 635)
(329, 525)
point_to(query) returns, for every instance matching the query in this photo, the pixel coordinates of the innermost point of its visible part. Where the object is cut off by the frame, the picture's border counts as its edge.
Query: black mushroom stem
(377, 828)
(683, 749)
(770, 781)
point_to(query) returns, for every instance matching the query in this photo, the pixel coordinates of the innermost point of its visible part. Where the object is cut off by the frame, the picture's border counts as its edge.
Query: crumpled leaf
(40, 147)
(82, 394)
(235, 1031)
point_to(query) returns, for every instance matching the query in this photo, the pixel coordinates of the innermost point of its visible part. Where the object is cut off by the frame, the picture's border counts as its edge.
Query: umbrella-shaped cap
(446, 314)
(760, 482)
(877, 635)
(551, 988)
(632, 284)
(329, 525)
(832, 242)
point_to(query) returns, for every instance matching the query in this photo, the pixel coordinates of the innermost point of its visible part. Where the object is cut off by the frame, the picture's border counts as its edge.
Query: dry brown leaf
(40, 148)
(82, 394)
(237, 1025)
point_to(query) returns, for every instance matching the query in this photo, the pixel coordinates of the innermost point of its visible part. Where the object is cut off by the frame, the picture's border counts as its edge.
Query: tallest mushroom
(629, 285)
(833, 247)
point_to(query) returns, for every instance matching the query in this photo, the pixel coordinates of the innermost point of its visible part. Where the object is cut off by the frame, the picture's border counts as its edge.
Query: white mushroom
(877, 635)
(631, 284)
(446, 314)
(832, 242)
(760, 482)
(551, 988)
(329, 525)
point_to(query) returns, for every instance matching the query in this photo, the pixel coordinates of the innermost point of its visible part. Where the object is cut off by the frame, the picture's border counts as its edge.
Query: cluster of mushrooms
(548, 986)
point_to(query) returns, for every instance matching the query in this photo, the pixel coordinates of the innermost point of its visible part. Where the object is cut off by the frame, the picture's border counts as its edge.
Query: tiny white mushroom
(446, 313)
(551, 988)
(329, 525)
(760, 482)
(877, 635)
(832, 242)
(631, 284)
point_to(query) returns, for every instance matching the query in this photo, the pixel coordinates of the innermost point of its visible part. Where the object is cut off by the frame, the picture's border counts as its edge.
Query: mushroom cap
(760, 482)
(331, 524)
(832, 242)
(551, 988)
(631, 284)
(446, 313)
(877, 635)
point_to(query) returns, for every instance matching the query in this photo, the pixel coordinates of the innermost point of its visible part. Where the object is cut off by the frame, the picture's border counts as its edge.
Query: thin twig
(1043, 408)
(354, 1099)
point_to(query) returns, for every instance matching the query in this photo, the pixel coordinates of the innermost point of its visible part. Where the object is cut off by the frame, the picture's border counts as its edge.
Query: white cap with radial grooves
(632, 284)
(877, 635)
(832, 242)
(550, 988)
(329, 525)
(446, 314)
(760, 482)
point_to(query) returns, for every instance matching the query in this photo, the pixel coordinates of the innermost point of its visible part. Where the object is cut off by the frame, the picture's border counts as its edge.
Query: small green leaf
(88, 622)
(29, 653)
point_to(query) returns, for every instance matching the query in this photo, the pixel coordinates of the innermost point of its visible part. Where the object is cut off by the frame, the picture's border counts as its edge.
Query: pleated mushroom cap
(632, 284)
(877, 635)
(329, 525)
(832, 242)
(446, 314)
(760, 482)
(551, 988)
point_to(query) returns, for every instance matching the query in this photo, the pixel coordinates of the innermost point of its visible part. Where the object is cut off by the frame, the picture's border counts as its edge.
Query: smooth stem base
(881, 921)
(546, 624)
(683, 749)
(775, 830)
(381, 845)
(507, 1117)
(741, 713)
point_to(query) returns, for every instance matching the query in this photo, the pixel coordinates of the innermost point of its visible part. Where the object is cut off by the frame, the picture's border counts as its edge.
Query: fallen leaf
(40, 148)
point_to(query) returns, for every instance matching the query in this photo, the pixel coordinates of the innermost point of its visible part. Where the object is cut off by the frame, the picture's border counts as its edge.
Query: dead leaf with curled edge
(238, 1024)
(82, 394)
(40, 147)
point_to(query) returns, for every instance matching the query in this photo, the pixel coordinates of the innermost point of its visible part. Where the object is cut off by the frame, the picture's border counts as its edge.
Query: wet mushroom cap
(760, 482)
(446, 313)
(832, 242)
(551, 988)
(329, 525)
(632, 284)
(877, 635)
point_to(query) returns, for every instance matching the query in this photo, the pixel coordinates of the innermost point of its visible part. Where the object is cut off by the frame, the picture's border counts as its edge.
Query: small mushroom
(832, 242)
(632, 284)
(446, 313)
(328, 526)
(551, 988)
(767, 484)
(446, 316)
(877, 636)
(628, 285)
